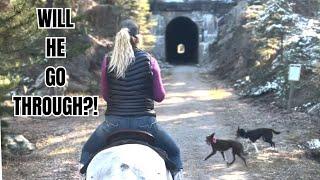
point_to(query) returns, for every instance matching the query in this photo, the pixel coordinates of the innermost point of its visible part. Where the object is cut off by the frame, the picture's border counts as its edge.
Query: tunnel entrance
(182, 41)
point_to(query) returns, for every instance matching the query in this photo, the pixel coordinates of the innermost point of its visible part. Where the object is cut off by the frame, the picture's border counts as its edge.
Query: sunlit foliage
(139, 10)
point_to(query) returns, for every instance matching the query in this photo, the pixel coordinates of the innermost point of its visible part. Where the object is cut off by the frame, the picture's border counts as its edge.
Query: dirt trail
(192, 110)
(195, 106)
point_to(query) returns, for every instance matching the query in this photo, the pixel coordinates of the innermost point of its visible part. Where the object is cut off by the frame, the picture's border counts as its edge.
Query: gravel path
(193, 109)
(195, 106)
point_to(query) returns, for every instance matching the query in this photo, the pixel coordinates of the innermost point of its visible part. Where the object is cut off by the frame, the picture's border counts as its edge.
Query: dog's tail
(276, 132)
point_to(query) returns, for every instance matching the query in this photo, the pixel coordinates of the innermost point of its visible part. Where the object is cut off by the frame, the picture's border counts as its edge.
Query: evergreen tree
(20, 43)
(139, 10)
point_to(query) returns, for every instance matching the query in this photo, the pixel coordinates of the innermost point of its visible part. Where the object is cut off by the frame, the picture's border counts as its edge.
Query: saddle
(128, 136)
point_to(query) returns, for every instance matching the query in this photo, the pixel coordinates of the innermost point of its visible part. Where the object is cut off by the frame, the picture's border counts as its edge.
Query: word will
(54, 18)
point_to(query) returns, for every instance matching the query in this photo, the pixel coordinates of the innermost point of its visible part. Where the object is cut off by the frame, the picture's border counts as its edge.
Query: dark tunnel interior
(182, 41)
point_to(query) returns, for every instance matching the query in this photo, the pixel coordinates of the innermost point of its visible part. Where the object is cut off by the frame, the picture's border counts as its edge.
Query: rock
(225, 54)
(104, 19)
(315, 110)
(314, 144)
(313, 149)
(17, 144)
(4, 4)
(225, 39)
(40, 89)
(78, 87)
(112, 2)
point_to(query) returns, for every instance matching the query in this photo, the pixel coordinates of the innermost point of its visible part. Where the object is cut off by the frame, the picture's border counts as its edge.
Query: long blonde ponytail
(122, 55)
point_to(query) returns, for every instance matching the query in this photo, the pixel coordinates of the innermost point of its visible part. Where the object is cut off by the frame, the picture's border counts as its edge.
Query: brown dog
(224, 145)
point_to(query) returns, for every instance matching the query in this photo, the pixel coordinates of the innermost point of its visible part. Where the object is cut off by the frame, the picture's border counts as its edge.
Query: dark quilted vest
(132, 95)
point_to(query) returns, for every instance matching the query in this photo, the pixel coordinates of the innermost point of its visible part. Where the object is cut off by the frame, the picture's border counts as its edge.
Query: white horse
(128, 162)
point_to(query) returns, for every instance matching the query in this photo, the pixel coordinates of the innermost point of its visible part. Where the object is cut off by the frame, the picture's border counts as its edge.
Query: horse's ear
(238, 128)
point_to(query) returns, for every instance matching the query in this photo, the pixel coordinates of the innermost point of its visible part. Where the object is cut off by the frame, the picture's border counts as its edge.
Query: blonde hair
(122, 55)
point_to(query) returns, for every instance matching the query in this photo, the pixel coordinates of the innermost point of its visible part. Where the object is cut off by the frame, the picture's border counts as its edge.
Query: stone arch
(182, 31)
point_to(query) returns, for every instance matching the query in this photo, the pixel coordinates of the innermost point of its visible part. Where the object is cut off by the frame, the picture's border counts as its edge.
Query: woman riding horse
(130, 83)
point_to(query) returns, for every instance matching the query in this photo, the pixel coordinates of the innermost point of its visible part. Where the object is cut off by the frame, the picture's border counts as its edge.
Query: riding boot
(82, 175)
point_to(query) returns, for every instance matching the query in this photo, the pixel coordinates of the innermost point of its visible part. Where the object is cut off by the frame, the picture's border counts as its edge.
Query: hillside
(259, 39)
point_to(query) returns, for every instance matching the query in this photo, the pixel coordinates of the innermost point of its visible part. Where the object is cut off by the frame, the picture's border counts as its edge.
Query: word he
(55, 47)
(55, 105)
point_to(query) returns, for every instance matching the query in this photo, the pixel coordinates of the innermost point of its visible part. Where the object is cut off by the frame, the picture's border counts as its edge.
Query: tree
(20, 44)
(139, 10)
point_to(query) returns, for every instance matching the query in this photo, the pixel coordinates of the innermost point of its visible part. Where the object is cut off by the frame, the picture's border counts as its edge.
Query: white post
(294, 75)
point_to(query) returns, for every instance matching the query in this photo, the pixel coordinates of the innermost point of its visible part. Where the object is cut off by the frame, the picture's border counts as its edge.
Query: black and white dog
(254, 135)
